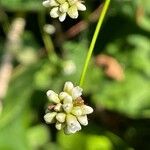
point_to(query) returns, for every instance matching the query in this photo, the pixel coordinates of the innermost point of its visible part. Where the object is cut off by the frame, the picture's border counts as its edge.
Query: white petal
(83, 120)
(72, 124)
(64, 7)
(67, 107)
(86, 109)
(73, 12)
(46, 3)
(80, 6)
(62, 95)
(61, 117)
(67, 99)
(62, 17)
(53, 3)
(77, 111)
(54, 13)
(58, 107)
(58, 125)
(61, 1)
(50, 117)
(48, 28)
(52, 96)
(71, 2)
(68, 86)
(76, 92)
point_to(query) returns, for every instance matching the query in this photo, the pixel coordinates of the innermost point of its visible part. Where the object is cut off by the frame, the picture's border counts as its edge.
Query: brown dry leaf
(111, 66)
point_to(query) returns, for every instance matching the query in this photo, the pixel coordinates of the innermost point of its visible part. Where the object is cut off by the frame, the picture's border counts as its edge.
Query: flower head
(67, 109)
(60, 8)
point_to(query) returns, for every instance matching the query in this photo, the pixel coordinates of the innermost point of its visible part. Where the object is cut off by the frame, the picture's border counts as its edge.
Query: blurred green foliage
(122, 108)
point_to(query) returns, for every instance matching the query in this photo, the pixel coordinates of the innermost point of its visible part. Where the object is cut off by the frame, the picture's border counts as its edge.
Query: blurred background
(38, 53)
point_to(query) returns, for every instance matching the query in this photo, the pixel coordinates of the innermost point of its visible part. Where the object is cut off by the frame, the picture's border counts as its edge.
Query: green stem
(46, 38)
(91, 48)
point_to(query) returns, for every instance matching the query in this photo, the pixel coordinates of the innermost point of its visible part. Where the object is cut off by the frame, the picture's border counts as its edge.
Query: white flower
(49, 29)
(53, 97)
(67, 109)
(49, 117)
(60, 8)
(69, 67)
(72, 124)
(83, 120)
(61, 117)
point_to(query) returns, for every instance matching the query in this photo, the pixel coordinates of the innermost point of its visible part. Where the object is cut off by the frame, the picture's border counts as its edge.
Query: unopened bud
(46, 3)
(73, 12)
(58, 125)
(72, 124)
(80, 6)
(86, 110)
(58, 107)
(64, 7)
(61, 117)
(50, 117)
(67, 107)
(52, 96)
(83, 120)
(76, 92)
(77, 111)
(68, 87)
(53, 3)
(62, 17)
(54, 13)
(61, 1)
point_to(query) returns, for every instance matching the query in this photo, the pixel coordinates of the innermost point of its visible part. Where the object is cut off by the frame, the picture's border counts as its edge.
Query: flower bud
(62, 17)
(49, 29)
(80, 6)
(53, 3)
(54, 13)
(62, 95)
(76, 92)
(68, 87)
(86, 109)
(71, 2)
(64, 7)
(67, 107)
(46, 3)
(67, 99)
(61, 1)
(58, 125)
(61, 117)
(53, 97)
(58, 107)
(72, 124)
(73, 12)
(77, 111)
(50, 117)
(83, 120)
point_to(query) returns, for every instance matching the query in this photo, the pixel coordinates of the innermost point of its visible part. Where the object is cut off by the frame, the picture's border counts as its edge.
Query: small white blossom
(58, 125)
(49, 117)
(49, 29)
(60, 8)
(61, 117)
(83, 120)
(69, 67)
(67, 109)
(53, 97)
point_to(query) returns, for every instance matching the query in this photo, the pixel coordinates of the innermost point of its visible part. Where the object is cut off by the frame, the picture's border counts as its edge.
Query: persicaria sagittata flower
(67, 109)
(60, 8)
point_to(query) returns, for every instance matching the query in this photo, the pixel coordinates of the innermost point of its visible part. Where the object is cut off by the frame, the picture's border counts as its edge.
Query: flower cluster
(60, 8)
(67, 109)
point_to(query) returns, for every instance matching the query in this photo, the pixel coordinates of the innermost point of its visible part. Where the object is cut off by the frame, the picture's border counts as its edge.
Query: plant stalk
(92, 45)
